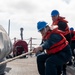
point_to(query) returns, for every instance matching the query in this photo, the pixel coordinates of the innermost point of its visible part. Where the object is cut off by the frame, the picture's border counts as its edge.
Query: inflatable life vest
(63, 20)
(73, 38)
(59, 45)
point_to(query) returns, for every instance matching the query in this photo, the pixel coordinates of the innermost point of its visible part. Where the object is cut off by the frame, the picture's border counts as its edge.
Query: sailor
(73, 42)
(63, 26)
(58, 51)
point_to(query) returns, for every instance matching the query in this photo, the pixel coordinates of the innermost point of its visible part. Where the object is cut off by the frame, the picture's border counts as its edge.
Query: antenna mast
(9, 28)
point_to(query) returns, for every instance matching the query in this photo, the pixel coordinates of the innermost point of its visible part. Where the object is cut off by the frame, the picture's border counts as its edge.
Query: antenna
(9, 28)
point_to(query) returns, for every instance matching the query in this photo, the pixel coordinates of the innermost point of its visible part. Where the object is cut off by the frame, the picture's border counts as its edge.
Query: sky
(26, 14)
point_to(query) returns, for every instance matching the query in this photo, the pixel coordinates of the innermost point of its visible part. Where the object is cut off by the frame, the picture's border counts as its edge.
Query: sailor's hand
(35, 50)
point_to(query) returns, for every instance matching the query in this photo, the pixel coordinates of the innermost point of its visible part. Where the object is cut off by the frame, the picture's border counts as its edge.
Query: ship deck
(27, 66)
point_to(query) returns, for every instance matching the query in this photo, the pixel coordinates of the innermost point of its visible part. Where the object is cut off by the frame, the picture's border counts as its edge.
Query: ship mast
(9, 28)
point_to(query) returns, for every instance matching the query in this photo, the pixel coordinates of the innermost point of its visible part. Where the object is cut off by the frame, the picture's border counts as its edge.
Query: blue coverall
(47, 64)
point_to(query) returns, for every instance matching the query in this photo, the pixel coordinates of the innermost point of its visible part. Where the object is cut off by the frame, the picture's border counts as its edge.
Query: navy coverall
(47, 64)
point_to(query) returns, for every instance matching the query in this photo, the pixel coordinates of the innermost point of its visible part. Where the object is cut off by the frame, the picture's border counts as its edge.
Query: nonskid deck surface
(27, 66)
(24, 66)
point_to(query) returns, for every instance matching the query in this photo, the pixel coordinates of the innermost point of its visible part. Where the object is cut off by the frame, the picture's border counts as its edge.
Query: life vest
(59, 46)
(67, 31)
(73, 38)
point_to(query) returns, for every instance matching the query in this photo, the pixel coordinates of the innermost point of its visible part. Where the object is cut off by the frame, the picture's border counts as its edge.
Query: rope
(9, 60)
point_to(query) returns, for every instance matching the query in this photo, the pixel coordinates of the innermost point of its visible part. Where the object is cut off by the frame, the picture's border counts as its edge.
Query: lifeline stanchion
(9, 60)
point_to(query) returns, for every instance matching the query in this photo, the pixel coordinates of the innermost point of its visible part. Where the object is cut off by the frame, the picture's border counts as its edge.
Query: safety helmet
(54, 13)
(71, 28)
(41, 25)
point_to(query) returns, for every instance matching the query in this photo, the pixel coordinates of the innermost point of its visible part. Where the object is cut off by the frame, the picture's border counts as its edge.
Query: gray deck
(28, 66)
(25, 66)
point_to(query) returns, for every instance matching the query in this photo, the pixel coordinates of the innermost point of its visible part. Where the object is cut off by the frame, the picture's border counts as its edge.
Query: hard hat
(41, 25)
(54, 13)
(71, 28)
